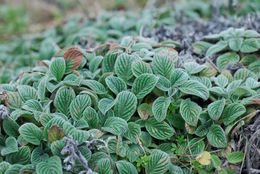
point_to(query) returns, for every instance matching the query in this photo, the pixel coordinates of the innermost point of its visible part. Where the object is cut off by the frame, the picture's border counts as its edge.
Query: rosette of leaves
(134, 99)
(231, 47)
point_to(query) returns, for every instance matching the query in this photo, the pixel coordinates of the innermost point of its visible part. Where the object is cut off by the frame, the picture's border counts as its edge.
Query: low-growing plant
(125, 108)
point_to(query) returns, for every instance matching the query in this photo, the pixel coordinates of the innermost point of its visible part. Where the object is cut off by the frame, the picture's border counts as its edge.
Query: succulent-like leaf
(160, 107)
(216, 136)
(216, 108)
(58, 68)
(126, 103)
(158, 130)
(159, 162)
(144, 84)
(31, 133)
(190, 112)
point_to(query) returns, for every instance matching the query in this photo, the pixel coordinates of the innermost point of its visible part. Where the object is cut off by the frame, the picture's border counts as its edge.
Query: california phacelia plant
(124, 108)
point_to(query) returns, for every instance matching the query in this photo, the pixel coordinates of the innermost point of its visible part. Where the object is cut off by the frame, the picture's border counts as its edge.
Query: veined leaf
(235, 43)
(220, 46)
(52, 165)
(235, 157)
(27, 92)
(10, 146)
(105, 104)
(193, 67)
(162, 64)
(104, 166)
(226, 59)
(144, 84)
(232, 112)
(190, 112)
(160, 107)
(94, 85)
(159, 130)
(133, 132)
(250, 45)
(216, 108)
(31, 133)
(22, 156)
(78, 105)
(216, 136)
(123, 66)
(125, 167)
(139, 67)
(196, 88)
(115, 125)
(115, 84)
(63, 99)
(178, 77)
(58, 68)
(158, 163)
(126, 103)
(38, 156)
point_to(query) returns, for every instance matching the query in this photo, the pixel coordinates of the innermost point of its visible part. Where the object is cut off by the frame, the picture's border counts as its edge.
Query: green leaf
(178, 77)
(235, 44)
(221, 81)
(52, 165)
(158, 163)
(190, 112)
(162, 64)
(160, 107)
(196, 88)
(63, 99)
(193, 67)
(105, 104)
(163, 83)
(144, 84)
(13, 100)
(115, 125)
(13, 169)
(159, 130)
(216, 161)
(144, 110)
(173, 169)
(31, 133)
(58, 68)
(226, 59)
(216, 136)
(126, 103)
(115, 84)
(109, 60)
(21, 157)
(133, 132)
(38, 156)
(232, 112)
(139, 67)
(104, 166)
(216, 108)
(125, 167)
(94, 85)
(78, 105)
(10, 146)
(235, 157)
(27, 92)
(123, 66)
(4, 166)
(10, 127)
(250, 45)
(91, 116)
(220, 46)
(32, 105)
